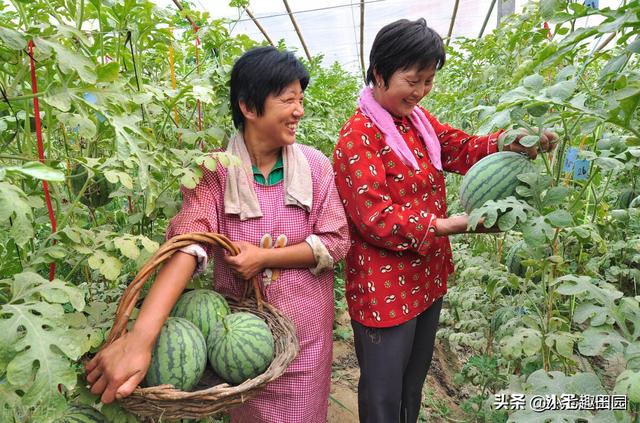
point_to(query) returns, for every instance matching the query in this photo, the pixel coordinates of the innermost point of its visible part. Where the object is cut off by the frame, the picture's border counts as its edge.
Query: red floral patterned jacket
(397, 267)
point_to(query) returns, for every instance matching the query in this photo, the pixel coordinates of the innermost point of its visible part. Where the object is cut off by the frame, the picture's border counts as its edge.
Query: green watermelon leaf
(58, 97)
(115, 413)
(39, 334)
(596, 340)
(563, 342)
(510, 209)
(537, 231)
(524, 342)
(560, 218)
(534, 82)
(107, 265)
(37, 170)
(548, 8)
(562, 90)
(108, 72)
(12, 39)
(14, 205)
(555, 196)
(529, 140)
(69, 60)
(628, 383)
(608, 163)
(85, 127)
(127, 246)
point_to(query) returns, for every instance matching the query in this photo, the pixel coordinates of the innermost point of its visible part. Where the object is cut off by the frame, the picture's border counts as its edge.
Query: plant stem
(80, 16)
(584, 188)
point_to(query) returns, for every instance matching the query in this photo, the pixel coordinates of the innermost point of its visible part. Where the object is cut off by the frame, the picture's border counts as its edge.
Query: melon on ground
(179, 356)
(495, 177)
(513, 259)
(82, 414)
(202, 307)
(521, 251)
(626, 198)
(240, 347)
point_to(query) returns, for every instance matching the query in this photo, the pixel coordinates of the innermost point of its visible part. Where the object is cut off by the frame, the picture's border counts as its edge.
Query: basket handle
(166, 250)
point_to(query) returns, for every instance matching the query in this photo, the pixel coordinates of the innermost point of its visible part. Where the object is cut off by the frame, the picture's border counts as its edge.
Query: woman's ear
(249, 113)
(379, 80)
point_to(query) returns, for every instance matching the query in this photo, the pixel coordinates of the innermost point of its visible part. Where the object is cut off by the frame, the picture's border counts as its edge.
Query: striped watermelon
(202, 307)
(179, 356)
(240, 347)
(82, 414)
(495, 177)
(626, 198)
(514, 261)
(521, 251)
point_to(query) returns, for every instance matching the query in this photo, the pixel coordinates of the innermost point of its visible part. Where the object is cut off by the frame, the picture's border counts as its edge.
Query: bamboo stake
(364, 76)
(486, 19)
(255, 21)
(453, 20)
(180, 8)
(295, 26)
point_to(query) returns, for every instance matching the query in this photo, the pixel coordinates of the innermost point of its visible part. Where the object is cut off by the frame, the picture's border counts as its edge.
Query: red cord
(198, 67)
(45, 186)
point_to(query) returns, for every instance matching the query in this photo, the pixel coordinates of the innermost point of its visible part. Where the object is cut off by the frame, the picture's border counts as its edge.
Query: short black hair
(259, 72)
(404, 44)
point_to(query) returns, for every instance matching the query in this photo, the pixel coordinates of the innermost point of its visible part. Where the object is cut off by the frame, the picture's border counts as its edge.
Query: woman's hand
(548, 141)
(249, 262)
(118, 369)
(451, 225)
(459, 225)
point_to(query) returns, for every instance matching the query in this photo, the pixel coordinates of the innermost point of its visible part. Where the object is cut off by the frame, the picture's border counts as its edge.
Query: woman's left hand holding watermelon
(547, 142)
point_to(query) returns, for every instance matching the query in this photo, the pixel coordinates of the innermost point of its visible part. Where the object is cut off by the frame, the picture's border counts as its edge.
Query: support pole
(295, 26)
(180, 8)
(453, 21)
(364, 75)
(255, 21)
(505, 8)
(486, 19)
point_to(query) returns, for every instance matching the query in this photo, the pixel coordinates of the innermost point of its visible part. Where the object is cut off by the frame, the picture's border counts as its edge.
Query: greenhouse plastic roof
(332, 27)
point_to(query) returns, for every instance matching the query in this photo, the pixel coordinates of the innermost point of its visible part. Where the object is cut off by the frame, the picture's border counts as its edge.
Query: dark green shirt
(276, 175)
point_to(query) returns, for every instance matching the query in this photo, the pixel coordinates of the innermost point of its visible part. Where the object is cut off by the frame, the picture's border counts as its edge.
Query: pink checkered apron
(301, 394)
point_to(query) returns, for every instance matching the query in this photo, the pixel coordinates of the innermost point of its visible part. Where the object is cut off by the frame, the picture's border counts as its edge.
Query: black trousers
(393, 367)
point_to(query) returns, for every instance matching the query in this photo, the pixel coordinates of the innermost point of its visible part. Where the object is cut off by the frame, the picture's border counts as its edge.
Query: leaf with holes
(506, 212)
(597, 340)
(69, 60)
(537, 231)
(38, 333)
(524, 342)
(15, 213)
(628, 383)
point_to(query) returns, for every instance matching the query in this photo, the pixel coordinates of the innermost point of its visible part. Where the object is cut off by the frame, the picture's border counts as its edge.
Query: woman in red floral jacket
(389, 164)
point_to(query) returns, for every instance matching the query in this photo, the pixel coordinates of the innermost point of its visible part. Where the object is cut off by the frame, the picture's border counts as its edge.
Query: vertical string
(174, 84)
(38, 122)
(198, 69)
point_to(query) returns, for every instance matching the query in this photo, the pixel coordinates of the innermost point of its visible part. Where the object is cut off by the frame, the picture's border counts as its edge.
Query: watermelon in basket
(211, 394)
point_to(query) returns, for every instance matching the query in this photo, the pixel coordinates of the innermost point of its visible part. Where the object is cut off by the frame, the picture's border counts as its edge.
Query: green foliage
(109, 107)
(40, 340)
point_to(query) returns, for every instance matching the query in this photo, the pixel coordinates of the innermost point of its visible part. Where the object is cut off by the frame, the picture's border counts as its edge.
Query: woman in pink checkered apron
(281, 207)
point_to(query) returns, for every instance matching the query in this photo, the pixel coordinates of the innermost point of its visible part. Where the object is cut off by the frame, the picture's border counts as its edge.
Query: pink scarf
(383, 120)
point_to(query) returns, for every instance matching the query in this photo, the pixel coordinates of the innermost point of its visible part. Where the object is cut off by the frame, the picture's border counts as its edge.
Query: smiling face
(278, 124)
(405, 89)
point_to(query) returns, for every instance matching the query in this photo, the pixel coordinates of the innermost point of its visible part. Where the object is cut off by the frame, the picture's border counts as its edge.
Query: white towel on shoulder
(239, 195)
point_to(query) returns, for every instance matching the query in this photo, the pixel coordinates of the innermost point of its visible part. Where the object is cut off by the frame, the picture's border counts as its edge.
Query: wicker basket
(168, 403)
